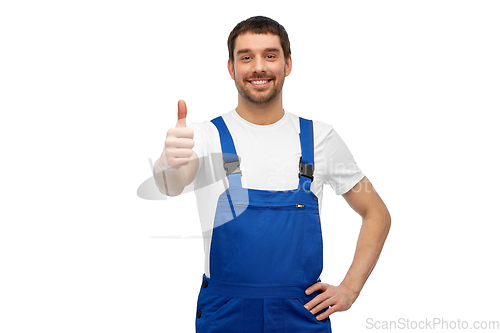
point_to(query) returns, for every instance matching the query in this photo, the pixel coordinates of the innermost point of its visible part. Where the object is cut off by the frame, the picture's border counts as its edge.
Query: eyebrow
(269, 49)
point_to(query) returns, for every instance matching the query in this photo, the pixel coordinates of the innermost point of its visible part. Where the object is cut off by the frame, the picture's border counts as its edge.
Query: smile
(260, 83)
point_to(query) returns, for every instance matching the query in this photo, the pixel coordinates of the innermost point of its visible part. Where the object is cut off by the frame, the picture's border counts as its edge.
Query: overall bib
(266, 250)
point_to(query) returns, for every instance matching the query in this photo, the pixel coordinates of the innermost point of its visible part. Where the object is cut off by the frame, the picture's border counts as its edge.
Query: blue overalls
(266, 250)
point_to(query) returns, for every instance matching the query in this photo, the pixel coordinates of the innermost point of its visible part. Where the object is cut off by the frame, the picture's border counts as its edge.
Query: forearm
(371, 239)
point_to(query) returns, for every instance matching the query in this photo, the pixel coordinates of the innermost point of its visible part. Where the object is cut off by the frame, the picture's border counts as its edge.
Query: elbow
(388, 222)
(385, 220)
(380, 218)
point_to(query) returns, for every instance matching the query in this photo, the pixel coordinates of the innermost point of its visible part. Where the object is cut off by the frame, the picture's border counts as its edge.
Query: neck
(258, 114)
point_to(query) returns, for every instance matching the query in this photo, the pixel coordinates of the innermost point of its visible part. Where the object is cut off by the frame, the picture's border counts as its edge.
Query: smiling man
(261, 223)
(259, 67)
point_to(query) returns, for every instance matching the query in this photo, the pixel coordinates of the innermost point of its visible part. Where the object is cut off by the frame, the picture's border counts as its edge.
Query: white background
(89, 89)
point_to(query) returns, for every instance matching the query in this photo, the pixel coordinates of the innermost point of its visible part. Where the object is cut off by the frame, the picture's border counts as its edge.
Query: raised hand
(180, 140)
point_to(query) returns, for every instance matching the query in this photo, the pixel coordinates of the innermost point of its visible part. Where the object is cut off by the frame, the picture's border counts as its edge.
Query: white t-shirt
(269, 156)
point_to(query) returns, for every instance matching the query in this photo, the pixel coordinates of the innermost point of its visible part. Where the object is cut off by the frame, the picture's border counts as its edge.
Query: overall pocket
(217, 314)
(298, 319)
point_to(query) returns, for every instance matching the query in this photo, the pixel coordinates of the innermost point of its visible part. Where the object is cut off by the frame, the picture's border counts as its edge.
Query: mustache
(257, 77)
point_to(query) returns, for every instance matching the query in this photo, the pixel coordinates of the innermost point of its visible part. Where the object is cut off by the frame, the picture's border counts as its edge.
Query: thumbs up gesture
(179, 142)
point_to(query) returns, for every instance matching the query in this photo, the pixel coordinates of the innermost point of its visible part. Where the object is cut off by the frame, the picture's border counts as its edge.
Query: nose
(259, 65)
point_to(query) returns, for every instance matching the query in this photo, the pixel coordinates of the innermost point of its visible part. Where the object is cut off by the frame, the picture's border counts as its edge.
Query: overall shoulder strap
(230, 158)
(306, 163)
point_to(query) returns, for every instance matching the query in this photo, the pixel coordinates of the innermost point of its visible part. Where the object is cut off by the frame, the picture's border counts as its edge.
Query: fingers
(181, 114)
(328, 312)
(179, 142)
(178, 146)
(319, 303)
(312, 305)
(178, 157)
(314, 287)
(181, 133)
(331, 298)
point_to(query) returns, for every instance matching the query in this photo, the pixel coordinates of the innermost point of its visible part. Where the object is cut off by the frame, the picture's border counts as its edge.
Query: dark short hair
(259, 25)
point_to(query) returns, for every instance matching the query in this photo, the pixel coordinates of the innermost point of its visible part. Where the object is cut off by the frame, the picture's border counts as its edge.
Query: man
(262, 233)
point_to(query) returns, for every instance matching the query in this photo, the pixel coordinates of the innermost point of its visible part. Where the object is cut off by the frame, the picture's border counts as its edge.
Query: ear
(288, 66)
(230, 68)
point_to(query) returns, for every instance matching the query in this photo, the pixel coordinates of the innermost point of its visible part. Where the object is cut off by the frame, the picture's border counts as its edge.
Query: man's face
(259, 67)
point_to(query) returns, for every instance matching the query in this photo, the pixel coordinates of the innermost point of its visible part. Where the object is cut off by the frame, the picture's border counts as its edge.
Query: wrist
(352, 290)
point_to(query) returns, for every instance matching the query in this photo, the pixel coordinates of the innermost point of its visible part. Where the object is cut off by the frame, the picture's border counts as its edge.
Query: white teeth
(260, 82)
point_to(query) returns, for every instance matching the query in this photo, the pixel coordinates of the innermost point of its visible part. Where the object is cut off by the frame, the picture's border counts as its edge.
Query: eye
(270, 56)
(245, 58)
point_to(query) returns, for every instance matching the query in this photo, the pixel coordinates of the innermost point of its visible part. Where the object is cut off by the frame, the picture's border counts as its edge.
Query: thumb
(181, 114)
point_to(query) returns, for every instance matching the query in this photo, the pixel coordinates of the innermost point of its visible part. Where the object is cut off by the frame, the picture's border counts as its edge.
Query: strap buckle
(306, 170)
(232, 167)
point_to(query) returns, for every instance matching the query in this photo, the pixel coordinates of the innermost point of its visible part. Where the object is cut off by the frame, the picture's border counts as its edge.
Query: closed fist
(179, 142)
